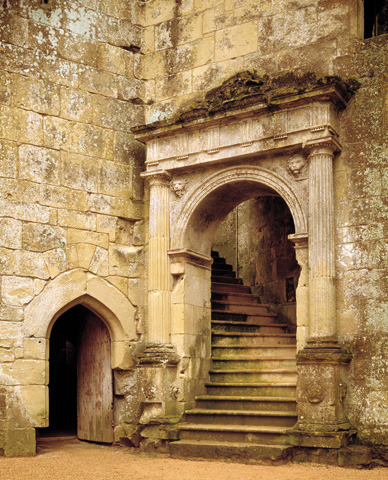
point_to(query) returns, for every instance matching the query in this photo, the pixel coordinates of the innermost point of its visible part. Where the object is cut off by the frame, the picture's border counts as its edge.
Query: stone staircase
(250, 399)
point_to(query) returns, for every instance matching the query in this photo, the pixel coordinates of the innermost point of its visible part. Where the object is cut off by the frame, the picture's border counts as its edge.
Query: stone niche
(250, 137)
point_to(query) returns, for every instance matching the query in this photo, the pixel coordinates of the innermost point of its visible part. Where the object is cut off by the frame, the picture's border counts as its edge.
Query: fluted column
(158, 264)
(322, 304)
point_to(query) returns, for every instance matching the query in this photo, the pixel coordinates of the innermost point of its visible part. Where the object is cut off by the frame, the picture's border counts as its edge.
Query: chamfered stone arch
(79, 287)
(249, 177)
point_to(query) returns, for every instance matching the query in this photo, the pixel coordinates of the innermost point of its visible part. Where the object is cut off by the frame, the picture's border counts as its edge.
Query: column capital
(300, 240)
(322, 146)
(157, 177)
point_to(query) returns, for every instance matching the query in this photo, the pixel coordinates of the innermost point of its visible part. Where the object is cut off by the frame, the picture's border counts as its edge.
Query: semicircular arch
(240, 175)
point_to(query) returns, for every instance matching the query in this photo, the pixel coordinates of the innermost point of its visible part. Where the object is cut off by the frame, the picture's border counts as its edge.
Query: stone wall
(75, 76)
(70, 192)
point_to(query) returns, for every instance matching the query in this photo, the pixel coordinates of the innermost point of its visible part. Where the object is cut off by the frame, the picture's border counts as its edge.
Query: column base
(161, 390)
(157, 354)
(321, 393)
(321, 439)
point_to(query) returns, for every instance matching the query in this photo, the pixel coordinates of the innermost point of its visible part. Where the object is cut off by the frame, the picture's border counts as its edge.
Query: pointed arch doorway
(80, 377)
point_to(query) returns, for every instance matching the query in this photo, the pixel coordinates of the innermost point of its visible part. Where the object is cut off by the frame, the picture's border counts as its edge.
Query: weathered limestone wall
(70, 192)
(193, 45)
(361, 188)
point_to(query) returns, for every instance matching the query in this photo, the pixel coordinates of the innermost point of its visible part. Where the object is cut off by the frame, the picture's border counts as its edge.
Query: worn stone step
(263, 363)
(240, 402)
(235, 297)
(241, 417)
(268, 349)
(238, 307)
(223, 272)
(234, 433)
(234, 451)
(251, 339)
(218, 287)
(253, 375)
(232, 326)
(284, 389)
(222, 279)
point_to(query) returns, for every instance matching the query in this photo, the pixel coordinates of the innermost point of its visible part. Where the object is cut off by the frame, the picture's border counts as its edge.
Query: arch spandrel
(248, 181)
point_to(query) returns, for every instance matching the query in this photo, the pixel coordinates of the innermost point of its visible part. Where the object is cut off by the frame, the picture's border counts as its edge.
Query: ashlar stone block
(37, 95)
(39, 164)
(76, 105)
(11, 233)
(80, 172)
(236, 41)
(35, 400)
(115, 59)
(8, 158)
(17, 291)
(21, 125)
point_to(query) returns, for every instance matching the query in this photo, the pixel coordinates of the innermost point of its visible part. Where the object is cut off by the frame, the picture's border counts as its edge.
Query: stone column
(322, 322)
(322, 364)
(159, 282)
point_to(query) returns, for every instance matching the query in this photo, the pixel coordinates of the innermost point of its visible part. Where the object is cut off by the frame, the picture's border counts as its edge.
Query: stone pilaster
(322, 322)
(159, 282)
(157, 359)
(300, 242)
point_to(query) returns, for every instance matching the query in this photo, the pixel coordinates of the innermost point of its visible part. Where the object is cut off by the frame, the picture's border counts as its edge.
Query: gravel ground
(70, 459)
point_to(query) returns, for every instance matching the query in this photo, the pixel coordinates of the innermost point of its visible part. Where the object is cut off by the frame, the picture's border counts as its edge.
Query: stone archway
(285, 141)
(69, 289)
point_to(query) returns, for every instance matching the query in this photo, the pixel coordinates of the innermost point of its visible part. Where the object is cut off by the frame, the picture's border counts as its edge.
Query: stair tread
(235, 322)
(248, 384)
(248, 413)
(239, 398)
(253, 370)
(264, 345)
(227, 302)
(264, 314)
(254, 334)
(231, 444)
(231, 428)
(251, 358)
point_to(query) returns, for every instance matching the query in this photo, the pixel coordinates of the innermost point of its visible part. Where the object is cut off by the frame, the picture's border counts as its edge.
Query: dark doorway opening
(80, 378)
(375, 18)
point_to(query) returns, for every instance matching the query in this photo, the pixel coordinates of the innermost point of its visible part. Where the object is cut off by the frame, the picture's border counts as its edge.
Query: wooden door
(94, 382)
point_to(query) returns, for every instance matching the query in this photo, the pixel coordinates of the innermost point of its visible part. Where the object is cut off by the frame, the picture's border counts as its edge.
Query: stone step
(245, 308)
(222, 279)
(263, 363)
(240, 317)
(253, 375)
(241, 417)
(232, 326)
(223, 272)
(284, 389)
(233, 433)
(235, 297)
(240, 402)
(233, 451)
(263, 350)
(218, 287)
(251, 339)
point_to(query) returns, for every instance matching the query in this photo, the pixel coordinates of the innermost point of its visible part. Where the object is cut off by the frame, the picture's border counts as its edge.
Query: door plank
(94, 382)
